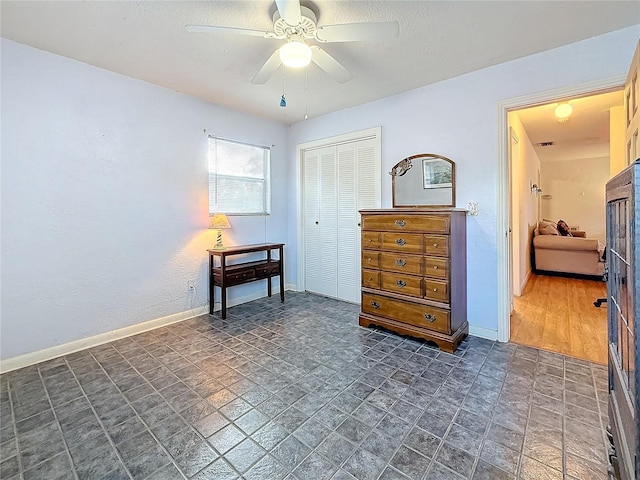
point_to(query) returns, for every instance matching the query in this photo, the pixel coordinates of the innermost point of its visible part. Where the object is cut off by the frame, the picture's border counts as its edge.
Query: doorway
(558, 168)
(503, 240)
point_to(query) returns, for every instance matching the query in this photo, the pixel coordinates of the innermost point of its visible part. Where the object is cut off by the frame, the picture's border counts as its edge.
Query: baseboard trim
(525, 281)
(482, 332)
(50, 353)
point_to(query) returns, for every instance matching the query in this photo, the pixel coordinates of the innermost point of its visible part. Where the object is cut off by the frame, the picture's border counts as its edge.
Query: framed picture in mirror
(423, 180)
(436, 173)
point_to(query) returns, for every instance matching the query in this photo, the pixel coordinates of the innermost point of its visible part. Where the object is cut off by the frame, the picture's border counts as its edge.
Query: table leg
(211, 289)
(223, 294)
(281, 276)
(269, 277)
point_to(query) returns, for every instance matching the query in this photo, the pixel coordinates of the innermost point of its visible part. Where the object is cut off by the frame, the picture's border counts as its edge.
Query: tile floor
(300, 391)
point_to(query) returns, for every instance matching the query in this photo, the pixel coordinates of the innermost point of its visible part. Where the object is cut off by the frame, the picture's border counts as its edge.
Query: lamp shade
(219, 220)
(295, 54)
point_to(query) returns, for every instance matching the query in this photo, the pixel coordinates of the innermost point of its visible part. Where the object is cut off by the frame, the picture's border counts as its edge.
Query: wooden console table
(225, 276)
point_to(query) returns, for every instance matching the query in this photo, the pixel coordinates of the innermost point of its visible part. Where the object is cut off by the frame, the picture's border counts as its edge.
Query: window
(238, 178)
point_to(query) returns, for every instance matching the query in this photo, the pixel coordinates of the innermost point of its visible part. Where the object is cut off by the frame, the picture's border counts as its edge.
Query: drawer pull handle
(375, 304)
(435, 244)
(370, 240)
(401, 241)
(401, 223)
(368, 259)
(429, 318)
(435, 289)
(401, 263)
(435, 267)
(401, 283)
(370, 279)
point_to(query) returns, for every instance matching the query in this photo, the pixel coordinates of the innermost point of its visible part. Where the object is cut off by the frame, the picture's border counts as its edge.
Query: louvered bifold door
(348, 232)
(339, 180)
(358, 188)
(321, 229)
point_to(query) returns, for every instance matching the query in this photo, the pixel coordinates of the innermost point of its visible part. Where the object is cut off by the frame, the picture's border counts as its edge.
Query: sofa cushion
(547, 228)
(554, 242)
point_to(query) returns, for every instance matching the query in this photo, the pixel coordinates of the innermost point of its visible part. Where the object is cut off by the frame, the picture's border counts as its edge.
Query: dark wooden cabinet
(623, 308)
(225, 275)
(414, 273)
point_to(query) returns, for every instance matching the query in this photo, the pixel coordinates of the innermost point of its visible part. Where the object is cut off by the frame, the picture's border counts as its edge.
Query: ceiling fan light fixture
(563, 111)
(295, 54)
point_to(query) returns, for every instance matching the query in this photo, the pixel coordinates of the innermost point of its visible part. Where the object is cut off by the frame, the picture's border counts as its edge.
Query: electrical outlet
(191, 285)
(473, 208)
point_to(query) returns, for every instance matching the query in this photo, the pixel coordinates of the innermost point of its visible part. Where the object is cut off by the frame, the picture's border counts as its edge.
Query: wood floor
(557, 314)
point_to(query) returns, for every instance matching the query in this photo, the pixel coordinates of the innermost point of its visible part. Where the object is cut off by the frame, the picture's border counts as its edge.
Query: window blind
(238, 178)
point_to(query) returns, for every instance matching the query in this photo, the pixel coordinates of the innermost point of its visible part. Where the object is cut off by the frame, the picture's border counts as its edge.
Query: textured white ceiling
(438, 40)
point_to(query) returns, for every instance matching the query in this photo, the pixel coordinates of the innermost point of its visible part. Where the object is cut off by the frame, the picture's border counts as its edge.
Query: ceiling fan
(297, 25)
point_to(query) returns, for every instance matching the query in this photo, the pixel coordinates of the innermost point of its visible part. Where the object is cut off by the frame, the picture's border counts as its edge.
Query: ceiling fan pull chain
(283, 99)
(306, 92)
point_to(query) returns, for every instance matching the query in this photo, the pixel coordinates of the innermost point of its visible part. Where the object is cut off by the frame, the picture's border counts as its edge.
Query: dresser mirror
(424, 180)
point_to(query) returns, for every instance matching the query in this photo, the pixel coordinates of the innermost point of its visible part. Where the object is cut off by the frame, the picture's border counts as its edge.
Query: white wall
(617, 142)
(577, 189)
(457, 118)
(525, 201)
(104, 199)
(104, 202)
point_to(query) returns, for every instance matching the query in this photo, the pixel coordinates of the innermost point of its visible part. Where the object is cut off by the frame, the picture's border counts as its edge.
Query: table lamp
(219, 221)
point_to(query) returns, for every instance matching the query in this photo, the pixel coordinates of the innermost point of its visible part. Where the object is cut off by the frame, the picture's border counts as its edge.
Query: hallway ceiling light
(563, 112)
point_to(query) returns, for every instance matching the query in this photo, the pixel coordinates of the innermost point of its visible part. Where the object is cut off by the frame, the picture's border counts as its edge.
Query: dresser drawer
(370, 259)
(398, 262)
(437, 291)
(407, 312)
(406, 223)
(436, 267)
(436, 245)
(402, 242)
(399, 283)
(370, 240)
(370, 278)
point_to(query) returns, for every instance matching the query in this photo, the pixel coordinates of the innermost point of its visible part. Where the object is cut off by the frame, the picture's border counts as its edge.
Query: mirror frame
(403, 166)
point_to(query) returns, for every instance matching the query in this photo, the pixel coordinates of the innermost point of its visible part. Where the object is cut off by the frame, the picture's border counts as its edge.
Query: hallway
(557, 314)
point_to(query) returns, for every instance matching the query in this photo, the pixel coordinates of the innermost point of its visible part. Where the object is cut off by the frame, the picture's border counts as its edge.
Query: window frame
(265, 179)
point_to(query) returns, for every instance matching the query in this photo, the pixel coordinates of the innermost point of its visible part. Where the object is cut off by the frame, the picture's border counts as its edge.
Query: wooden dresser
(414, 273)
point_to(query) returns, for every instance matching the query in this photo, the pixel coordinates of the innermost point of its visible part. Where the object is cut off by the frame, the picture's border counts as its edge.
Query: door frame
(374, 133)
(514, 253)
(503, 206)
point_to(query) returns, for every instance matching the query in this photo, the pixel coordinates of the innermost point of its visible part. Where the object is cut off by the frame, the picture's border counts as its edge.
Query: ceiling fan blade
(268, 69)
(289, 11)
(356, 32)
(330, 65)
(217, 28)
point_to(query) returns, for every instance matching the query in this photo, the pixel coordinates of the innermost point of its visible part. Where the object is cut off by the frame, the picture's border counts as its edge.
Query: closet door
(321, 229)
(358, 188)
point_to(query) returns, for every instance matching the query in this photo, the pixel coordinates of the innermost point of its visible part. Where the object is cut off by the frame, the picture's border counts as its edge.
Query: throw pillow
(547, 228)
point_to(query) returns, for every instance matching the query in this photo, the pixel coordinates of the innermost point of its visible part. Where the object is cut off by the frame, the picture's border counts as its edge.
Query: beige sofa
(571, 255)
